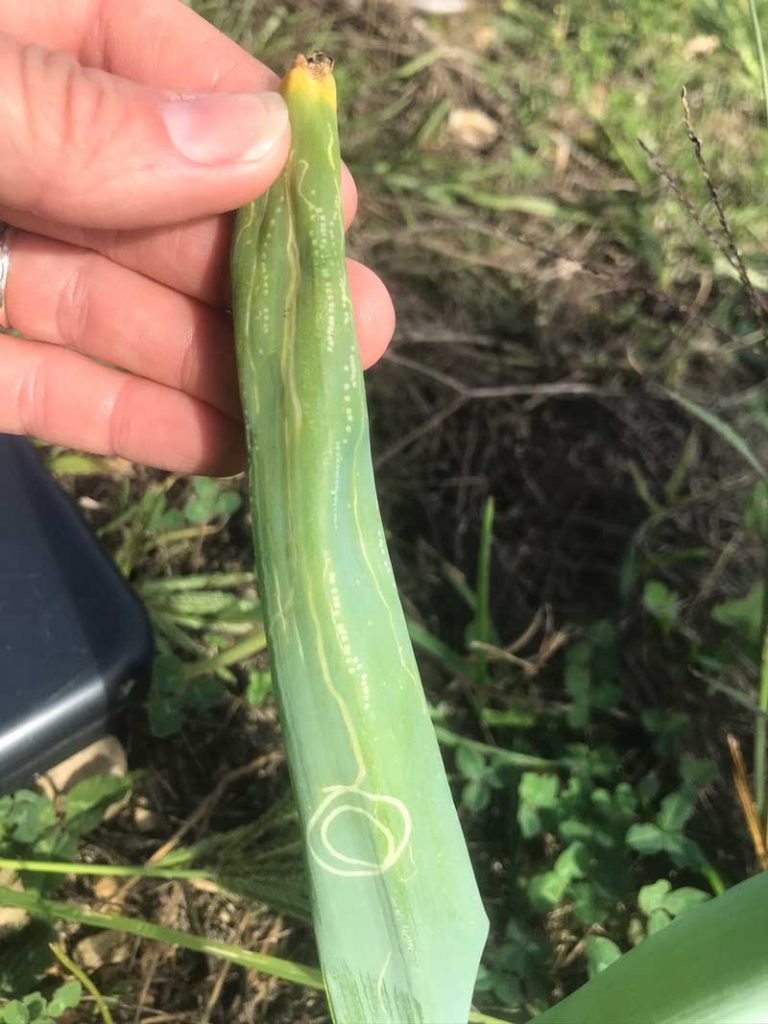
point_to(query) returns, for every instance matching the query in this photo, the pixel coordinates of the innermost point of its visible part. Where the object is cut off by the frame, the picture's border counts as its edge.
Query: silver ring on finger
(5, 262)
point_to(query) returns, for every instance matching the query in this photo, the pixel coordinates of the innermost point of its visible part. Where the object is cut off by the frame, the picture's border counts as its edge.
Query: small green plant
(30, 824)
(174, 695)
(259, 686)
(195, 615)
(482, 776)
(662, 603)
(600, 952)
(659, 904)
(210, 500)
(666, 728)
(33, 828)
(665, 832)
(36, 1009)
(743, 617)
(591, 673)
(513, 973)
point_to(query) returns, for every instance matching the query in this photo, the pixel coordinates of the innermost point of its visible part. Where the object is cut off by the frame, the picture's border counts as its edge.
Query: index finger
(161, 43)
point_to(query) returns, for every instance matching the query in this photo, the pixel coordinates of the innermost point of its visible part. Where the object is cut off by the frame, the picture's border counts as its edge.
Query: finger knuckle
(122, 417)
(66, 115)
(73, 307)
(31, 403)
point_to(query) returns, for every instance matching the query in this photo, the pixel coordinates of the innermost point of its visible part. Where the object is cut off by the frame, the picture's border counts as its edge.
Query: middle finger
(192, 258)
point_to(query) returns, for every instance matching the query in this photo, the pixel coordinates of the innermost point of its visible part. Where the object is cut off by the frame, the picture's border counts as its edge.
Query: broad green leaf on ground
(708, 966)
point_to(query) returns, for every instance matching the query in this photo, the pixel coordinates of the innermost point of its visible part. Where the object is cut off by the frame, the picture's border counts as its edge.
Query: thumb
(81, 146)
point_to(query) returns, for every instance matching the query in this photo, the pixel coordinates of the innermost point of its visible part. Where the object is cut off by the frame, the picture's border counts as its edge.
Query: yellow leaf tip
(311, 75)
(316, 63)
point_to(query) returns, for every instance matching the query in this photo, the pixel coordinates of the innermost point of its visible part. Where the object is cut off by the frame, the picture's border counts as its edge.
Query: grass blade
(760, 53)
(725, 430)
(276, 967)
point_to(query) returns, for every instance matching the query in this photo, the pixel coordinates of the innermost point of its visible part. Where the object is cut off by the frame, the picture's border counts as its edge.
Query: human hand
(117, 176)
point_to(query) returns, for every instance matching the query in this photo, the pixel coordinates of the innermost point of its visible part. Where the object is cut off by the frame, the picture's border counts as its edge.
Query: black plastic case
(75, 643)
